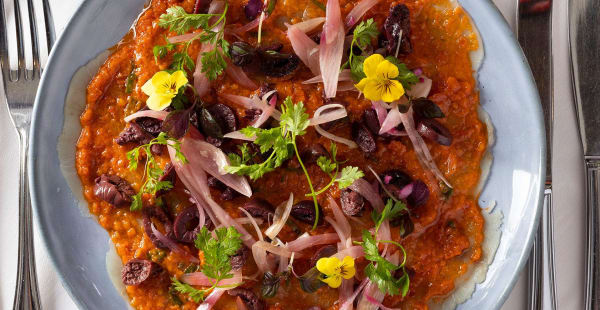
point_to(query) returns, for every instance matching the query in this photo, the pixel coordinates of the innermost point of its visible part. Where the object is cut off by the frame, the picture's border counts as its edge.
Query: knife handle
(592, 291)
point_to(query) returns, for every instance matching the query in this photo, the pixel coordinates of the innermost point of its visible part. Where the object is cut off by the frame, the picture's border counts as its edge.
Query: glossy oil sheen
(78, 245)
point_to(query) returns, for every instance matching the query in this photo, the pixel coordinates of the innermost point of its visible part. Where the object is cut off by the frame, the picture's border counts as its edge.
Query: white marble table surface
(568, 186)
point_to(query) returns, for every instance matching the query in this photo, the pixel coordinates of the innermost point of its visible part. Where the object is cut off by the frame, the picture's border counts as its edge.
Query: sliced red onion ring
(238, 135)
(196, 182)
(199, 278)
(306, 241)
(345, 76)
(358, 11)
(342, 221)
(277, 250)
(282, 213)
(317, 117)
(161, 115)
(266, 113)
(353, 251)
(252, 102)
(205, 156)
(328, 113)
(238, 75)
(183, 38)
(173, 246)
(303, 47)
(420, 147)
(434, 131)
(348, 303)
(309, 24)
(421, 89)
(391, 121)
(211, 299)
(201, 82)
(331, 48)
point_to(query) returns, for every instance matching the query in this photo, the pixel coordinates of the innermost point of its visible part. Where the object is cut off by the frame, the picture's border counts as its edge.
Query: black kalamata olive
(249, 298)
(133, 134)
(242, 53)
(157, 213)
(419, 195)
(138, 271)
(253, 8)
(259, 208)
(398, 23)
(224, 116)
(435, 131)
(324, 251)
(113, 190)
(278, 65)
(395, 177)
(209, 124)
(186, 225)
(352, 202)
(169, 175)
(363, 137)
(274, 46)
(304, 211)
(371, 121)
(201, 6)
(425, 108)
(151, 125)
(229, 194)
(238, 260)
(311, 153)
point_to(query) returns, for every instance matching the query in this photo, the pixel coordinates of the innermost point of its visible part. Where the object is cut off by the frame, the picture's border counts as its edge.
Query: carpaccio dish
(288, 154)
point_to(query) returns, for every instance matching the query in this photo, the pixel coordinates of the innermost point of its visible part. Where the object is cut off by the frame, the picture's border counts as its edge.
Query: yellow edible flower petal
(348, 270)
(162, 88)
(334, 281)
(328, 265)
(387, 70)
(334, 270)
(379, 83)
(370, 65)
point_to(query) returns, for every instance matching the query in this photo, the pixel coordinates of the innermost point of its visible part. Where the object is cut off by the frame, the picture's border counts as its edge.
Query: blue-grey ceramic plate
(78, 245)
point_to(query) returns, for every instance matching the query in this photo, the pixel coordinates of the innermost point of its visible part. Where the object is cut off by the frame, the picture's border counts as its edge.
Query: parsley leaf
(326, 164)
(293, 117)
(392, 209)
(217, 251)
(152, 173)
(195, 294)
(179, 21)
(381, 271)
(348, 176)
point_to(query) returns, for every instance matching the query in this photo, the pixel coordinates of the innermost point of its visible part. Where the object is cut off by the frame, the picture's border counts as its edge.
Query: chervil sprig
(213, 61)
(392, 209)
(331, 166)
(381, 271)
(152, 172)
(217, 252)
(362, 36)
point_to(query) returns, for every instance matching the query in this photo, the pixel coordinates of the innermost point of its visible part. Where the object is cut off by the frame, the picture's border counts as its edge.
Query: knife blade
(534, 30)
(584, 16)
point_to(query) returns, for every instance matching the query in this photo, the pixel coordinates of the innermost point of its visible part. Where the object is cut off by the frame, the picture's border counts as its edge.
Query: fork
(20, 86)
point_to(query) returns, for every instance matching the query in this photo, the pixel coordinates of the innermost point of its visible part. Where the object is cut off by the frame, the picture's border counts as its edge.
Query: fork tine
(35, 52)
(4, 65)
(21, 67)
(49, 23)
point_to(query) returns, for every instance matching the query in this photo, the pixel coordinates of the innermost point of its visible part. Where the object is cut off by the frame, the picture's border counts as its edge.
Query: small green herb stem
(321, 191)
(399, 246)
(312, 190)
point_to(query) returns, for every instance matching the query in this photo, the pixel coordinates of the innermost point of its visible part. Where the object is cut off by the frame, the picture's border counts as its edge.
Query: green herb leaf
(319, 4)
(365, 33)
(130, 81)
(392, 209)
(348, 176)
(218, 251)
(195, 294)
(326, 164)
(213, 63)
(179, 21)
(293, 117)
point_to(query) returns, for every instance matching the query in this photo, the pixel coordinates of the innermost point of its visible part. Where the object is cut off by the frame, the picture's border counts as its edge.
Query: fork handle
(542, 291)
(26, 292)
(592, 292)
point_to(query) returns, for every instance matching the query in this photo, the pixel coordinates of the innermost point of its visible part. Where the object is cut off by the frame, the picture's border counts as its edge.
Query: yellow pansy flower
(334, 270)
(162, 88)
(379, 83)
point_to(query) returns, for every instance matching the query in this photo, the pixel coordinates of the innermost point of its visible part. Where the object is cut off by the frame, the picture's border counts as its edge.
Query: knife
(584, 24)
(534, 29)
